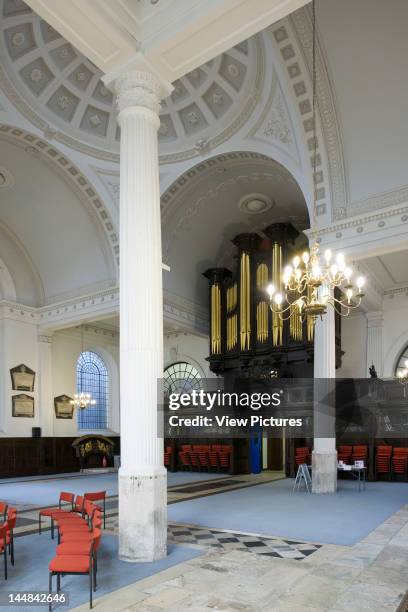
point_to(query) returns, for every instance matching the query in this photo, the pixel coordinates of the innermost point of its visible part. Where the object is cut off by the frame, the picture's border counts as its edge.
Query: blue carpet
(272, 509)
(45, 492)
(33, 553)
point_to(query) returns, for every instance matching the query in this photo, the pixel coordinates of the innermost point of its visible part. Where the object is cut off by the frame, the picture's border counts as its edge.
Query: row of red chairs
(9, 515)
(79, 536)
(76, 504)
(207, 457)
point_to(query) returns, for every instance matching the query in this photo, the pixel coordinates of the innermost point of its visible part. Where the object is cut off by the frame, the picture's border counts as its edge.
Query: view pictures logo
(221, 399)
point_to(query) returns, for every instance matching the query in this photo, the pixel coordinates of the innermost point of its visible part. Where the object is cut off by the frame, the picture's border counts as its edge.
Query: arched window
(181, 377)
(402, 361)
(92, 377)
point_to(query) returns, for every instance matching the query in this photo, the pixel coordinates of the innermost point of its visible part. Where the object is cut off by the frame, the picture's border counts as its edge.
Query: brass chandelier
(313, 282)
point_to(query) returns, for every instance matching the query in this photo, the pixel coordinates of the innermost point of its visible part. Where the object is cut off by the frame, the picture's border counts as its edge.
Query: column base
(324, 472)
(142, 515)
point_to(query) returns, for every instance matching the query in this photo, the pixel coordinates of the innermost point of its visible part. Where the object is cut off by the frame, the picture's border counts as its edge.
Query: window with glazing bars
(92, 377)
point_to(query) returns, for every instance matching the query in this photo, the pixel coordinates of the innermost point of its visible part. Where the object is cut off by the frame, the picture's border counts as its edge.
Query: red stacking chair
(64, 497)
(224, 457)
(65, 525)
(302, 455)
(213, 459)
(383, 460)
(360, 453)
(344, 453)
(81, 535)
(78, 512)
(194, 457)
(203, 458)
(400, 461)
(3, 510)
(4, 543)
(98, 496)
(76, 564)
(184, 460)
(167, 455)
(11, 523)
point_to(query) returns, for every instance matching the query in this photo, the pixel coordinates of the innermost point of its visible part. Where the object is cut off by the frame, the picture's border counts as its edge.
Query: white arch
(393, 354)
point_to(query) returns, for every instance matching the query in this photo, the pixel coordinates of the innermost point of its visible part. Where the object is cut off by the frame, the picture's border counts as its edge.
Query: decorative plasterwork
(292, 39)
(6, 178)
(274, 124)
(61, 92)
(302, 25)
(73, 176)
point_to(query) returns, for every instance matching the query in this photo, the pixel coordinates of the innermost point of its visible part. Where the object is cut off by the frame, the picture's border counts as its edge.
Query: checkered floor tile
(269, 547)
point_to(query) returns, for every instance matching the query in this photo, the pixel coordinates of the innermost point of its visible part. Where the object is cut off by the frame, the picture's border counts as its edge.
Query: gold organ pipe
(215, 319)
(295, 326)
(232, 332)
(232, 297)
(261, 276)
(277, 323)
(262, 310)
(245, 302)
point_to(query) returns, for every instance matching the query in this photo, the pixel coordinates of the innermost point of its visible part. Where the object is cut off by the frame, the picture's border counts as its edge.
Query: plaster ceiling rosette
(61, 91)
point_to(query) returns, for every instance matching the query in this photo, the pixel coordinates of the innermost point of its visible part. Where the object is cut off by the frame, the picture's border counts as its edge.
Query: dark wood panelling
(36, 456)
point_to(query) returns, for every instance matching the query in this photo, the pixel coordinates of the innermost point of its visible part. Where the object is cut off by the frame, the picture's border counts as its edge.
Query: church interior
(198, 196)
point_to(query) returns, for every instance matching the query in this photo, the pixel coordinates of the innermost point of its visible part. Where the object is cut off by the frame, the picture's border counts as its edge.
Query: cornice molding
(176, 310)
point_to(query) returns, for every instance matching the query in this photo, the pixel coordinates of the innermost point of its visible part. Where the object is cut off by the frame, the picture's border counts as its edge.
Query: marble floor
(371, 576)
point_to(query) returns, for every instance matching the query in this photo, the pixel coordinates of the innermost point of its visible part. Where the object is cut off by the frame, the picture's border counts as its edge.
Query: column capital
(375, 318)
(45, 337)
(138, 85)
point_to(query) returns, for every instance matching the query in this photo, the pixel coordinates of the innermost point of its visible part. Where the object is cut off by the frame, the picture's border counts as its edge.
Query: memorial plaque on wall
(22, 378)
(63, 407)
(23, 406)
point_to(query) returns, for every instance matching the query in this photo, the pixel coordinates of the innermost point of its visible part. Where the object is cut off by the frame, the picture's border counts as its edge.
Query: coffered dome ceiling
(56, 87)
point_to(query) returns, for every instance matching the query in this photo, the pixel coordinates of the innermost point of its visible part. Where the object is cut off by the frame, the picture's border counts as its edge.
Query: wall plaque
(22, 378)
(63, 407)
(23, 406)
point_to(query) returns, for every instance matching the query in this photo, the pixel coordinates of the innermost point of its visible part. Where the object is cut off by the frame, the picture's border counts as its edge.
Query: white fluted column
(375, 323)
(142, 476)
(324, 457)
(46, 399)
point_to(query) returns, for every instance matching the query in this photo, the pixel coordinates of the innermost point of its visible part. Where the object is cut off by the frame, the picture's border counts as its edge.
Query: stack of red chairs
(7, 534)
(225, 457)
(360, 453)
(79, 539)
(383, 460)
(344, 453)
(302, 455)
(400, 461)
(167, 455)
(216, 457)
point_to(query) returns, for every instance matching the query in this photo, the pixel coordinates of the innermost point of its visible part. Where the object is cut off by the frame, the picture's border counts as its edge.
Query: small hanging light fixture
(82, 400)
